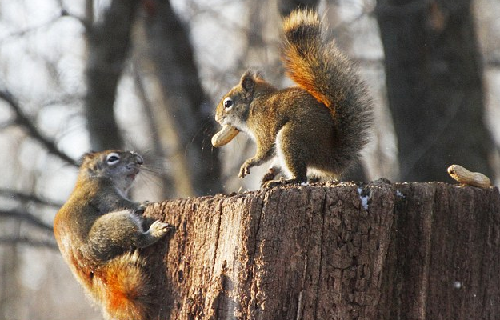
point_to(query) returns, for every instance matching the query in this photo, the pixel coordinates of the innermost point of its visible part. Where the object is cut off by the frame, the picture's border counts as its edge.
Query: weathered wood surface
(334, 251)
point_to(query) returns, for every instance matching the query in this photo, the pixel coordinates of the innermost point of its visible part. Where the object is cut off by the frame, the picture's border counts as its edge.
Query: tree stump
(332, 251)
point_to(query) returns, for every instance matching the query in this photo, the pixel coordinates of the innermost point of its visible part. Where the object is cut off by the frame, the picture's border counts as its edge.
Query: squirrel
(98, 231)
(321, 124)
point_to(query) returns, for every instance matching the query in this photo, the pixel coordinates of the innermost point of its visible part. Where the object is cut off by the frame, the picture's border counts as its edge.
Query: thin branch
(28, 241)
(369, 62)
(23, 120)
(236, 24)
(84, 22)
(366, 11)
(492, 62)
(5, 125)
(26, 217)
(28, 197)
(62, 14)
(23, 32)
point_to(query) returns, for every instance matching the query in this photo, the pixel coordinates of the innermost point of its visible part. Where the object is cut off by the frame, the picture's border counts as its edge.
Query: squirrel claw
(280, 182)
(159, 229)
(273, 183)
(244, 170)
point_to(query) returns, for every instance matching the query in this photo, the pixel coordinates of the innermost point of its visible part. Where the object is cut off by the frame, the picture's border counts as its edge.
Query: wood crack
(320, 268)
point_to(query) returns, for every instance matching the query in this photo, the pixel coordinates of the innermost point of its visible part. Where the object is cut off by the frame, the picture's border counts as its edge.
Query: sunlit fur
(323, 122)
(98, 232)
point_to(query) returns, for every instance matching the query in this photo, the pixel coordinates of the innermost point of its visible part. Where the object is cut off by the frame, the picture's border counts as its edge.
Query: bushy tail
(327, 74)
(123, 288)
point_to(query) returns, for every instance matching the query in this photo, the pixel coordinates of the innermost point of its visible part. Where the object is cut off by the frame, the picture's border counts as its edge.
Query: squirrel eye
(228, 103)
(112, 158)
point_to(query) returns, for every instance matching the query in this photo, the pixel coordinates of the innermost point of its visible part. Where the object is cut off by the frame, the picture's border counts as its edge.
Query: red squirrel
(98, 231)
(321, 124)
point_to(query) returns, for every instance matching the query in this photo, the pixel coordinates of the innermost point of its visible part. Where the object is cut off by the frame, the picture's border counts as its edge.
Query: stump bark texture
(332, 251)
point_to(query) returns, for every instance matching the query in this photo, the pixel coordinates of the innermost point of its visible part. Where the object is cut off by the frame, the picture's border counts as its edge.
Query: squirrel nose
(138, 158)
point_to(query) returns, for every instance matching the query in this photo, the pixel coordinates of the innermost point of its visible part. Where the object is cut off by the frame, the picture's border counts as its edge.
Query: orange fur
(96, 230)
(307, 57)
(292, 125)
(119, 285)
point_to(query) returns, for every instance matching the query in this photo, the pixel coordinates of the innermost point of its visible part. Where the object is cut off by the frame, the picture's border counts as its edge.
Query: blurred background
(146, 75)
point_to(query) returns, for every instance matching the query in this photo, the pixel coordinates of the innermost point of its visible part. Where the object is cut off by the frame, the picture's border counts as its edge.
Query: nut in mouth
(224, 136)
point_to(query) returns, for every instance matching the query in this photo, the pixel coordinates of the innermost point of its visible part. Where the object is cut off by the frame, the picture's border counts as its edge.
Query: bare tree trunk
(434, 86)
(184, 107)
(108, 46)
(402, 251)
(165, 187)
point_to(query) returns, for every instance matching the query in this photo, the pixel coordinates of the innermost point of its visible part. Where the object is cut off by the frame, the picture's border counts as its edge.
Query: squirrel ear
(87, 156)
(258, 75)
(248, 81)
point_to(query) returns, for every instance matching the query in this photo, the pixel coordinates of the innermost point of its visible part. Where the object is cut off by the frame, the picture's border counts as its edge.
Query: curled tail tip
(301, 23)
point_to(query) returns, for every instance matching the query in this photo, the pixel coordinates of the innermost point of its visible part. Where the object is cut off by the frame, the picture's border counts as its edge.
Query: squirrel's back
(318, 67)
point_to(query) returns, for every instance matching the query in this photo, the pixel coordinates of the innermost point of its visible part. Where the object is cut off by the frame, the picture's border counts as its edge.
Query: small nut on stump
(465, 177)
(226, 134)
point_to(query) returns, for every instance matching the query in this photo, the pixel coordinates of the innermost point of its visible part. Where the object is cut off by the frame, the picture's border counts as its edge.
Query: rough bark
(379, 251)
(434, 86)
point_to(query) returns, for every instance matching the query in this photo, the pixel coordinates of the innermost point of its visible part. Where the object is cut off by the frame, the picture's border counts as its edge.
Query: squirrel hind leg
(272, 172)
(290, 155)
(269, 179)
(281, 182)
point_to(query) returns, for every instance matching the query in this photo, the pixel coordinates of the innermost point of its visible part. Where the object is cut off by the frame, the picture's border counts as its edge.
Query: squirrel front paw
(245, 169)
(158, 229)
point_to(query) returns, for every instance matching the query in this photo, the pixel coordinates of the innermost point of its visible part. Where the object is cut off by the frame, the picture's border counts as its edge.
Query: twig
(492, 62)
(20, 33)
(63, 13)
(23, 120)
(27, 217)
(27, 197)
(27, 241)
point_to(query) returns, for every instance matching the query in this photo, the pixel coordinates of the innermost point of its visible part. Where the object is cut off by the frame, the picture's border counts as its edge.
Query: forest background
(146, 75)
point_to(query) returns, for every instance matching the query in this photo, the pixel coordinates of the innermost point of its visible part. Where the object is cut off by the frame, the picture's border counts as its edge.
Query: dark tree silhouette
(434, 86)
(108, 44)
